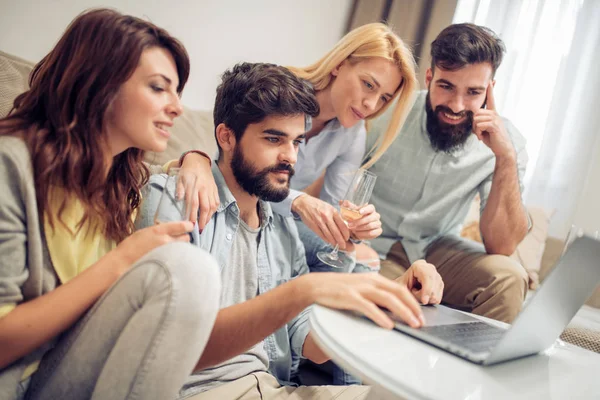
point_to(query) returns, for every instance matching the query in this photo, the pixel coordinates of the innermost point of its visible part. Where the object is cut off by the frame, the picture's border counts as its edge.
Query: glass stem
(334, 252)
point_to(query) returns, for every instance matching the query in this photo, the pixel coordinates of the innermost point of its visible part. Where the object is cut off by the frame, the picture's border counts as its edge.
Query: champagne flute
(357, 196)
(176, 197)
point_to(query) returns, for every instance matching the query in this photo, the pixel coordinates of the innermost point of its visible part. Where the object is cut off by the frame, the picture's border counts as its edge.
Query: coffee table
(399, 366)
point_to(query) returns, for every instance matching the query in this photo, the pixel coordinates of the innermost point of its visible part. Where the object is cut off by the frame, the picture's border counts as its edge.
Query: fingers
(427, 281)
(369, 226)
(401, 292)
(484, 127)
(430, 281)
(374, 313)
(204, 215)
(373, 218)
(192, 203)
(398, 303)
(323, 233)
(338, 230)
(175, 228)
(366, 210)
(208, 199)
(490, 100)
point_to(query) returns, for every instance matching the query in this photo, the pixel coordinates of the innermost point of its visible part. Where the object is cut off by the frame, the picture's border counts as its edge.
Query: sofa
(194, 130)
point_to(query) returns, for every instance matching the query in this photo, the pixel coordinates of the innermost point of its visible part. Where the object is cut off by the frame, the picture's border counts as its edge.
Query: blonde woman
(368, 70)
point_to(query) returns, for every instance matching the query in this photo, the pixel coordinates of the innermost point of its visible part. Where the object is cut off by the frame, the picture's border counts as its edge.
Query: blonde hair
(369, 41)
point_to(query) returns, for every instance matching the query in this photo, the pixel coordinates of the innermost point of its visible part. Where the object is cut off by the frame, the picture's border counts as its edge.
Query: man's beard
(443, 136)
(256, 182)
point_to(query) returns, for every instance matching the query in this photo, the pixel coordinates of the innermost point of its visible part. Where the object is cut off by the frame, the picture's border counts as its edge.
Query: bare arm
(504, 220)
(35, 322)
(241, 326)
(313, 352)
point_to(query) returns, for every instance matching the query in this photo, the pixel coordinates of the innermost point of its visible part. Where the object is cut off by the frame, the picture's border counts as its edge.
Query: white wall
(217, 33)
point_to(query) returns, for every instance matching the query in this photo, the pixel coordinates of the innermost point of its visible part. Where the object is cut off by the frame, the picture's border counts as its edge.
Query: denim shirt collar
(228, 200)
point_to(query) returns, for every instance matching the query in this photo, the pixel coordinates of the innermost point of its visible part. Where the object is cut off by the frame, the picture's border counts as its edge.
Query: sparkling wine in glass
(357, 196)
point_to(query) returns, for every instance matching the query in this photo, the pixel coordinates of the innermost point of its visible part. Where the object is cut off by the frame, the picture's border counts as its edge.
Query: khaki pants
(490, 285)
(264, 386)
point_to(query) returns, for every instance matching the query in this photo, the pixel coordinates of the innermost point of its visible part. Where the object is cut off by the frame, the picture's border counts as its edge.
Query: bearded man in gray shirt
(452, 146)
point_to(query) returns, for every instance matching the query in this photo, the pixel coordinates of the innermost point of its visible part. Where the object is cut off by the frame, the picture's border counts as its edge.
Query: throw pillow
(529, 252)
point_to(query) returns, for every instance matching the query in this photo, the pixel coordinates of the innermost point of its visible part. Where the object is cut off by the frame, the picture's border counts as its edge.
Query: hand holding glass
(357, 196)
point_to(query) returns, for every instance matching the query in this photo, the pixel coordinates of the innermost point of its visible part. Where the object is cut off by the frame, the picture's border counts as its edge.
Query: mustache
(283, 167)
(447, 110)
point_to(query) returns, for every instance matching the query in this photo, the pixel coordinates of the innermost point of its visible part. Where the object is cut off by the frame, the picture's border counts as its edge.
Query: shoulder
(517, 138)
(13, 147)
(15, 159)
(352, 136)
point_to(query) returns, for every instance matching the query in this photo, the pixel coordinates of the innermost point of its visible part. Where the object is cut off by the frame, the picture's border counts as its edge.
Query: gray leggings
(143, 337)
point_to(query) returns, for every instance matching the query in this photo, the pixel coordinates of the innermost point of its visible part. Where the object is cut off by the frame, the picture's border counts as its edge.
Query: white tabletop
(409, 368)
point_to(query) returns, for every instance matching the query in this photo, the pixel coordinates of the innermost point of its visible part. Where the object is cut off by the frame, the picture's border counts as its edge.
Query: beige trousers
(490, 285)
(264, 386)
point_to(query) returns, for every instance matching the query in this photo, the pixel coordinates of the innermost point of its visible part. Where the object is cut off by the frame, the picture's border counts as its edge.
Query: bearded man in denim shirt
(259, 117)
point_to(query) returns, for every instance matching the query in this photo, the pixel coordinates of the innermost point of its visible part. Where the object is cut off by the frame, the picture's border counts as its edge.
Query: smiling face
(362, 88)
(145, 105)
(263, 160)
(452, 100)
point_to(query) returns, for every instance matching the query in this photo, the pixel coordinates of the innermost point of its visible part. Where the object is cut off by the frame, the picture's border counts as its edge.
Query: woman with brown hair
(89, 309)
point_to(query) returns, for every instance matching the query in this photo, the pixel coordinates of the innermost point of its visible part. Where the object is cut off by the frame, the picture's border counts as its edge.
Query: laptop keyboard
(474, 336)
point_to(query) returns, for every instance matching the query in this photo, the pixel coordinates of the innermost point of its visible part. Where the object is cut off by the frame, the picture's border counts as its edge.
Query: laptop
(535, 329)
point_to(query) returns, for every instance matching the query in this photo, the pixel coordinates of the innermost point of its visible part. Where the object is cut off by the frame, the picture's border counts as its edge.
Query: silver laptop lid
(556, 302)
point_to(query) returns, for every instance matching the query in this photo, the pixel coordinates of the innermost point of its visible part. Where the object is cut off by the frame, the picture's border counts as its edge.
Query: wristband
(197, 152)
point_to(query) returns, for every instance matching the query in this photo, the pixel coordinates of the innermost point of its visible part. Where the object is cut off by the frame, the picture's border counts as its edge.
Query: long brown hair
(61, 117)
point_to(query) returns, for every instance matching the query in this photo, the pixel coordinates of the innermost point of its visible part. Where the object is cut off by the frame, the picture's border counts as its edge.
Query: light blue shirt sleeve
(338, 175)
(298, 327)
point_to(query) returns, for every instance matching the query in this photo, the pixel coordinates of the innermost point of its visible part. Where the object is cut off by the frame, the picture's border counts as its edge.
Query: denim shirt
(280, 258)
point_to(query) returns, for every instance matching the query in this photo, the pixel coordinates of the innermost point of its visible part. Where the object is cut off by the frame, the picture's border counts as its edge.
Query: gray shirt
(241, 277)
(423, 194)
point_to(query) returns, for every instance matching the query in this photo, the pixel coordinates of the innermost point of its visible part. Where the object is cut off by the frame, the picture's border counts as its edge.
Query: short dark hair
(462, 44)
(250, 92)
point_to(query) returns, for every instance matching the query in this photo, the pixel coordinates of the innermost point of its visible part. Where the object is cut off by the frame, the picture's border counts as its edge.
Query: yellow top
(72, 250)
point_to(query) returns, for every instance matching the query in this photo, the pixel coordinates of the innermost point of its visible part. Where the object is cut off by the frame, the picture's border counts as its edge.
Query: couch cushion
(14, 80)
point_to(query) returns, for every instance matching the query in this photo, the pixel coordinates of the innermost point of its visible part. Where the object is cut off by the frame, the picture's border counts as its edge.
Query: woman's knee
(188, 271)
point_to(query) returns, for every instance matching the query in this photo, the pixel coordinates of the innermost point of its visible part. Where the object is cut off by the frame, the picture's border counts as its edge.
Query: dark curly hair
(250, 92)
(462, 44)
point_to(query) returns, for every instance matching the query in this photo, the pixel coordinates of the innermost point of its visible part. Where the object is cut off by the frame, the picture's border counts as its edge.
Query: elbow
(505, 247)
(318, 359)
